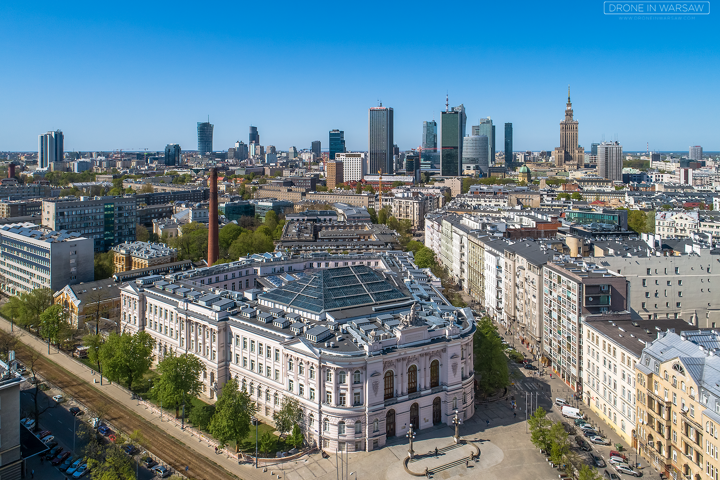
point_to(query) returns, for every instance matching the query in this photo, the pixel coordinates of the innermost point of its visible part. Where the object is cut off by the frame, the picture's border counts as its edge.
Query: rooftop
(145, 250)
(35, 232)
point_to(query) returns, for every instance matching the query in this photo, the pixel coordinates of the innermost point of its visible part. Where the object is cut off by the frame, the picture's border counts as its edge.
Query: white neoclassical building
(364, 355)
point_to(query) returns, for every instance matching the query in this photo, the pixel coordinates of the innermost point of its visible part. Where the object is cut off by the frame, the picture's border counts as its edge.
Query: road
(61, 423)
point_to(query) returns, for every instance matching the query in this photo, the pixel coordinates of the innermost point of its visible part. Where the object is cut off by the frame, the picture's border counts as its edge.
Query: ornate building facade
(569, 155)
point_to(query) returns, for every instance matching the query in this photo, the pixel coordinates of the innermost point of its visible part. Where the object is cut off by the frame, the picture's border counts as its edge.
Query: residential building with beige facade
(136, 255)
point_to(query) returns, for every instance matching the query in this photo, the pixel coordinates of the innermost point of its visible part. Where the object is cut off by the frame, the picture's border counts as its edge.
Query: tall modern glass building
(337, 143)
(429, 136)
(380, 140)
(594, 148)
(475, 152)
(51, 148)
(487, 128)
(509, 158)
(316, 148)
(205, 137)
(172, 154)
(452, 131)
(254, 136)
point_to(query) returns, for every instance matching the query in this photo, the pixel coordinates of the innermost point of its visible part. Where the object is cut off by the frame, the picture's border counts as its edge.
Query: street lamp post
(411, 435)
(457, 422)
(255, 422)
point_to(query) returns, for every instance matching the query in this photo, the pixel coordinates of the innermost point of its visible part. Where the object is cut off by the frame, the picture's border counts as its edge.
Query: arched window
(311, 420)
(435, 373)
(276, 399)
(358, 427)
(412, 379)
(356, 377)
(376, 425)
(267, 395)
(389, 385)
(312, 372)
(290, 365)
(326, 425)
(341, 428)
(259, 392)
(342, 376)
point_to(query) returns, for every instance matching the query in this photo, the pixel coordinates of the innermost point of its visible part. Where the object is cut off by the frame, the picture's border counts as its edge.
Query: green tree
(290, 413)
(51, 323)
(540, 429)
(247, 243)
(384, 215)
(576, 196)
(268, 441)
(127, 357)
(373, 215)
(179, 380)
(271, 220)
(147, 188)
(358, 188)
(115, 465)
(228, 234)
(490, 361)
(588, 473)
(560, 446)
(563, 196)
(233, 410)
(425, 258)
(201, 416)
(30, 306)
(321, 188)
(104, 267)
(94, 342)
(414, 246)
(141, 233)
(296, 438)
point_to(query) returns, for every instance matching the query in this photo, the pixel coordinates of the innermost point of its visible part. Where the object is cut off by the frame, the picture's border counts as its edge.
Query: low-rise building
(351, 237)
(20, 208)
(136, 255)
(90, 302)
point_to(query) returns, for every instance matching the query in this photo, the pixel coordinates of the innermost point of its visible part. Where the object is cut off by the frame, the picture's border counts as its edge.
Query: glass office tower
(205, 137)
(337, 143)
(380, 140)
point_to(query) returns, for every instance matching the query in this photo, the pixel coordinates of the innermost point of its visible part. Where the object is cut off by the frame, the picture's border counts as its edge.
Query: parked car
(82, 470)
(590, 433)
(60, 458)
(569, 429)
(75, 411)
(96, 423)
(622, 468)
(56, 450)
(586, 426)
(73, 468)
(583, 444)
(611, 475)
(599, 440)
(28, 422)
(598, 461)
(130, 449)
(530, 366)
(103, 430)
(580, 421)
(560, 401)
(51, 444)
(44, 434)
(58, 398)
(161, 471)
(616, 460)
(48, 439)
(68, 463)
(615, 453)
(149, 462)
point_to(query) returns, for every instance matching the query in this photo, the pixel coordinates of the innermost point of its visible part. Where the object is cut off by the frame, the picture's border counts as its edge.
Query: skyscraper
(593, 148)
(254, 136)
(475, 152)
(292, 152)
(241, 151)
(337, 143)
(334, 174)
(51, 148)
(696, 152)
(316, 148)
(487, 128)
(452, 131)
(380, 140)
(509, 158)
(610, 161)
(172, 154)
(205, 137)
(429, 136)
(569, 154)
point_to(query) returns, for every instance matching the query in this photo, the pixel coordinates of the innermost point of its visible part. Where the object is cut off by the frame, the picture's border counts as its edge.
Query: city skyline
(101, 109)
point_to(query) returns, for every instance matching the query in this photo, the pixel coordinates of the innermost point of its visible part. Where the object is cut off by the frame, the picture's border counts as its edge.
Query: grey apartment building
(108, 221)
(33, 257)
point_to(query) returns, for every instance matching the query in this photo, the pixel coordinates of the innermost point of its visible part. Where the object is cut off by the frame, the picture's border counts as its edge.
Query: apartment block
(136, 255)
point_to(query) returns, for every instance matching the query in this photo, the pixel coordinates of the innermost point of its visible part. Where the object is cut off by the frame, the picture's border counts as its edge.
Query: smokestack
(213, 245)
(11, 170)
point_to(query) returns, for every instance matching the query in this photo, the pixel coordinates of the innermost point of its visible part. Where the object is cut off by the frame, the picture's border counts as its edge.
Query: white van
(571, 412)
(560, 401)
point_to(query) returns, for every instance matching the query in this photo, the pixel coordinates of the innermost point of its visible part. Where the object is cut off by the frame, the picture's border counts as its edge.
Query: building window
(312, 372)
(341, 399)
(328, 397)
(358, 427)
(290, 385)
(290, 365)
(341, 377)
(412, 379)
(376, 425)
(434, 373)
(356, 377)
(326, 425)
(341, 428)
(328, 375)
(389, 385)
(356, 399)
(312, 394)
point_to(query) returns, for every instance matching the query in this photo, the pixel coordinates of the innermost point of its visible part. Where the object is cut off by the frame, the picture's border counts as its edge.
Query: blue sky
(136, 75)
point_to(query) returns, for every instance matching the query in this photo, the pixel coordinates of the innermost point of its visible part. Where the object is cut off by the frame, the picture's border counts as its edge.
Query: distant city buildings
(509, 159)
(172, 154)
(50, 148)
(254, 136)
(429, 135)
(452, 131)
(487, 128)
(337, 143)
(205, 137)
(696, 152)
(380, 140)
(610, 161)
(241, 151)
(353, 166)
(334, 173)
(316, 148)
(475, 153)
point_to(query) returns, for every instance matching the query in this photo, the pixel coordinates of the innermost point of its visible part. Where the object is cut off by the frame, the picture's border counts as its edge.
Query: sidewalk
(118, 393)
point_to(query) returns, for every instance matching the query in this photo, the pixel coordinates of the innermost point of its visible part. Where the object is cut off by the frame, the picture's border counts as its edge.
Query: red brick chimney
(11, 170)
(213, 245)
